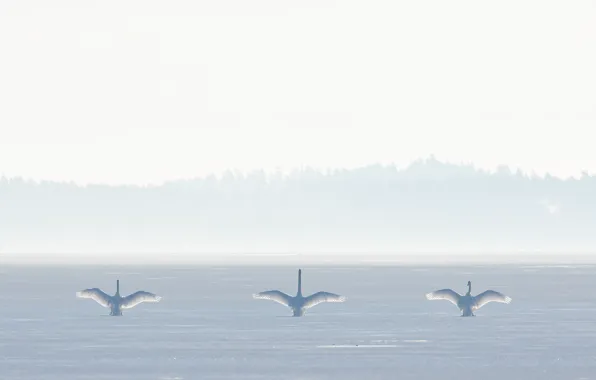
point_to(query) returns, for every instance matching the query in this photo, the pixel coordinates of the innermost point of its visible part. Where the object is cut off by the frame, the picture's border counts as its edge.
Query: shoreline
(293, 259)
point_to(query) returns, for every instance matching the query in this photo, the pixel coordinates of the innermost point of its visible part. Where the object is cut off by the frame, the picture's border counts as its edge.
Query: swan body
(299, 304)
(117, 303)
(468, 303)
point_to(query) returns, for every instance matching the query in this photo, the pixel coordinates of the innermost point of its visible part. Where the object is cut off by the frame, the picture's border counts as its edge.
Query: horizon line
(324, 171)
(585, 257)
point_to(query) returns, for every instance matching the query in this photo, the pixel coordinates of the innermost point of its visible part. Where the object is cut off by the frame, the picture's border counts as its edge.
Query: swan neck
(299, 282)
(117, 287)
(469, 288)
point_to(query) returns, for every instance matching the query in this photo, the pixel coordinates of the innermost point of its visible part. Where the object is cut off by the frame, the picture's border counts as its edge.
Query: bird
(468, 303)
(299, 304)
(116, 303)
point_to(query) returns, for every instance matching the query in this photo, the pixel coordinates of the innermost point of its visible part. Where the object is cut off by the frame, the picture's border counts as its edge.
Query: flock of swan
(467, 303)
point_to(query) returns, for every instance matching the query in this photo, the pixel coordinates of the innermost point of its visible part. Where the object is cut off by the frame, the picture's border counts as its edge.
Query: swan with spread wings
(468, 303)
(299, 304)
(117, 303)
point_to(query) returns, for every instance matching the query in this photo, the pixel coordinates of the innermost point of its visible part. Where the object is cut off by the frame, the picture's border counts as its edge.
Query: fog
(427, 207)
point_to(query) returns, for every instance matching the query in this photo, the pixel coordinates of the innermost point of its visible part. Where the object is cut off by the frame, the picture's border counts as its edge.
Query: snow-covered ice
(207, 325)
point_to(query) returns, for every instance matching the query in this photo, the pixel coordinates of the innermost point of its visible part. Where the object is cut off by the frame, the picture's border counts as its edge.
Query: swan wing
(444, 294)
(274, 295)
(490, 296)
(96, 295)
(134, 299)
(321, 297)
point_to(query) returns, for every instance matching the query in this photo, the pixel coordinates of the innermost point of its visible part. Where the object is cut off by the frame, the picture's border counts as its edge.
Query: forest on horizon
(429, 205)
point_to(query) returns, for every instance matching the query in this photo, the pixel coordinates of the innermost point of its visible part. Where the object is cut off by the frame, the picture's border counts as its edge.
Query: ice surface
(207, 326)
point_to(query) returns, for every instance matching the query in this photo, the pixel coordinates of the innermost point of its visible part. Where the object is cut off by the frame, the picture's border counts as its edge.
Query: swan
(299, 304)
(116, 303)
(468, 303)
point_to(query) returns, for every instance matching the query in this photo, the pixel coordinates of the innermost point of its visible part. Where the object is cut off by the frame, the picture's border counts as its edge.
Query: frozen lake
(209, 327)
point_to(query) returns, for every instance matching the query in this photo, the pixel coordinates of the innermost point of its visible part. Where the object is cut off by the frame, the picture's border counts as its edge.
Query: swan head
(469, 287)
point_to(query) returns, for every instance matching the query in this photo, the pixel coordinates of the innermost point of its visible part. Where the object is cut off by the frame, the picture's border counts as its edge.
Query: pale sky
(147, 91)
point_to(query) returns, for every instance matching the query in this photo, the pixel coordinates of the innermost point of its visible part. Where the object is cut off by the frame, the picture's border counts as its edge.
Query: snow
(207, 326)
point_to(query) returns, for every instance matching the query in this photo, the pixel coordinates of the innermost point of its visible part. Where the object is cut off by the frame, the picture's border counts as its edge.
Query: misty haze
(297, 190)
(428, 206)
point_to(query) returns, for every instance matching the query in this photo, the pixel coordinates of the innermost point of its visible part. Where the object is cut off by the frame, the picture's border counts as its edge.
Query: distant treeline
(428, 204)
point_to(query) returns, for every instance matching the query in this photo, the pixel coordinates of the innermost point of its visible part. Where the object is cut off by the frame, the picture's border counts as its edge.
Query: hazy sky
(144, 91)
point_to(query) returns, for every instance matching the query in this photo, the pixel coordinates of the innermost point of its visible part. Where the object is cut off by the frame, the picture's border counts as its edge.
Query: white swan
(468, 303)
(116, 303)
(299, 304)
